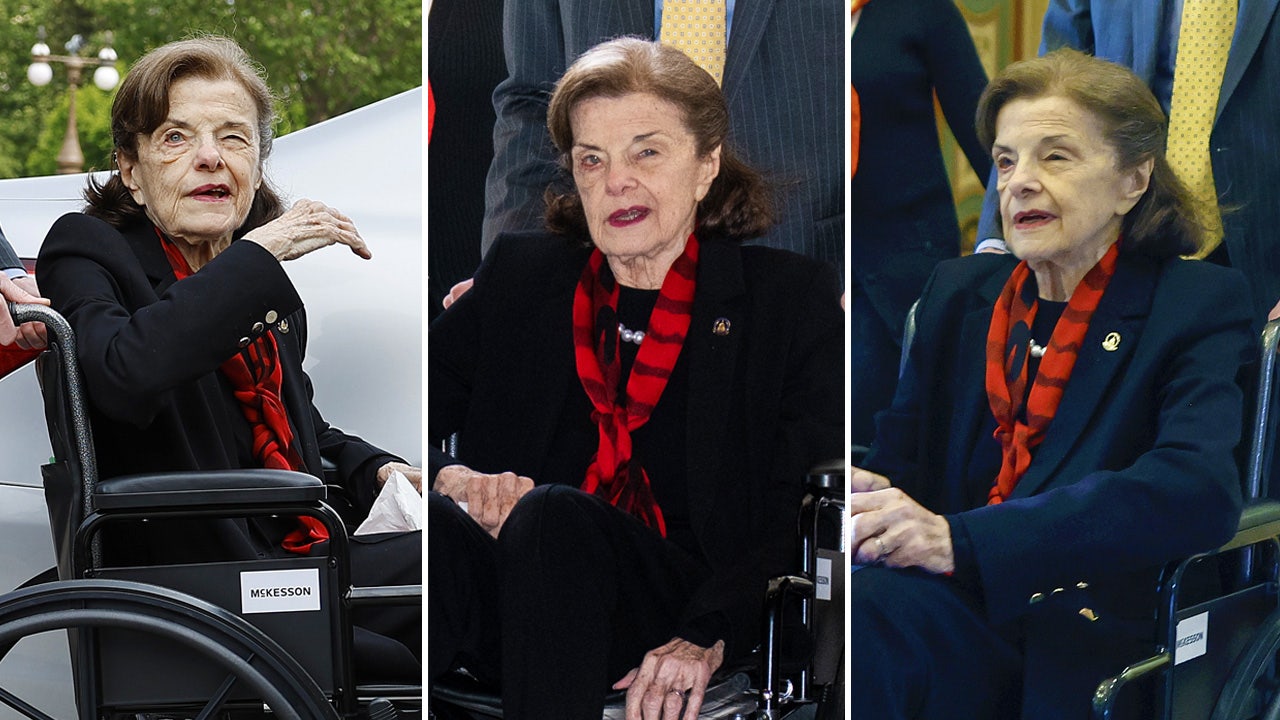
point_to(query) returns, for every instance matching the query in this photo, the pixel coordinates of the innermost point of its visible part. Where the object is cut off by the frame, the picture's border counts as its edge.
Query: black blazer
(1136, 470)
(765, 401)
(149, 350)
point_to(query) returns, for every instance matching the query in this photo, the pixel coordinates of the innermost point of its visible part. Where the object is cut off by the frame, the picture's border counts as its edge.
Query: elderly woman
(190, 335)
(1065, 425)
(637, 398)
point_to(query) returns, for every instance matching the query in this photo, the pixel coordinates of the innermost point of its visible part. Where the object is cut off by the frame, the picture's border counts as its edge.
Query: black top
(901, 212)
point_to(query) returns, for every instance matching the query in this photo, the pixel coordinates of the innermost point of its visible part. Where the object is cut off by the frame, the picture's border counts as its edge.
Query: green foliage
(322, 58)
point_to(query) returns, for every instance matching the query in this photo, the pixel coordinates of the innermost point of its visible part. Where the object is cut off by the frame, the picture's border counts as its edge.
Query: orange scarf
(1006, 378)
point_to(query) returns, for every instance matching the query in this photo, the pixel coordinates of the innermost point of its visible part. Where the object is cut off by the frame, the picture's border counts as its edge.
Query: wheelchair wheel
(250, 659)
(1253, 689)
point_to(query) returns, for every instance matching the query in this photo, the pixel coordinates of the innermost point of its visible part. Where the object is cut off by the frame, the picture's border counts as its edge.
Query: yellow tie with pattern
(1204, 38)
(697, 28)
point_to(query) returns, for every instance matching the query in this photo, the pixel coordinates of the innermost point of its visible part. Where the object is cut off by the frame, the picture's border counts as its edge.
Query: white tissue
(398, 508)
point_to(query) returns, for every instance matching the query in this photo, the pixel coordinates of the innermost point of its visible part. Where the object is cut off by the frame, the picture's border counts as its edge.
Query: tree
(321, 57)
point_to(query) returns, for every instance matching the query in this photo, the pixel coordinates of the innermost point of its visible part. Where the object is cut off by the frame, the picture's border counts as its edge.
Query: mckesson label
(822, 588)
(280, 591)
(1193, 638)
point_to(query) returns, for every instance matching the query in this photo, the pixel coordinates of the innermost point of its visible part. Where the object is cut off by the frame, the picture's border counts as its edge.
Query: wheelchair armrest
(1104, 698)
(1259, 521)
(252, 487)
(385, 595)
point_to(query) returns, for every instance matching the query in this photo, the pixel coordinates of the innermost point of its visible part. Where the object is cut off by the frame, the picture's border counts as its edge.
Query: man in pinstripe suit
(1245, 141)
(17, 286)
(783, 80)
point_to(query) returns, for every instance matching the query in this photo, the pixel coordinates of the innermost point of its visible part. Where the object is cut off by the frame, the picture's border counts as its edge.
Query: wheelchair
(1218, 658)
(797, 671)
(241, 639)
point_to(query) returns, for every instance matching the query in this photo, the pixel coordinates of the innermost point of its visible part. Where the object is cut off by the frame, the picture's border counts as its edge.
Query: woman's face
(637, 170)
(1062, 196)
(196, 174)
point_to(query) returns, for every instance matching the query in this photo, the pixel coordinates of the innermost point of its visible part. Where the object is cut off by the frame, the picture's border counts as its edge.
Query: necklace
(1037, 350)
(631, 336)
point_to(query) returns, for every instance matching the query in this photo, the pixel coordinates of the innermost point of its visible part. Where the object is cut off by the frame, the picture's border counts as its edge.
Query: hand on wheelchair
(671, 678)
(411, 473)
(892, 529)
(488, 499)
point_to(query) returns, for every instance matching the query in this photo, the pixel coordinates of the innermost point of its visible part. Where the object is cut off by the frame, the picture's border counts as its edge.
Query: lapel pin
(721, 327)
(284, 326)
(1112, 342)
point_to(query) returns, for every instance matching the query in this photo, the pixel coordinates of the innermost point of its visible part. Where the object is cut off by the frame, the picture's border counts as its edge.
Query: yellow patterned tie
(1203, 42)
(696, 27)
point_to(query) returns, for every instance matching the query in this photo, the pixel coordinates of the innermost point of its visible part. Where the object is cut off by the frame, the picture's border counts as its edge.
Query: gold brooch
(1111, 342)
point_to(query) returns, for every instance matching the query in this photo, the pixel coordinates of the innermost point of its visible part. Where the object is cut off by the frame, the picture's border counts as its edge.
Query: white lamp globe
(39, 73)
(106, 78)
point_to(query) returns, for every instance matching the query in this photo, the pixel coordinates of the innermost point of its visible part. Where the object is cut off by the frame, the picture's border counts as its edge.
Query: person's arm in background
(523, 160)
(1067, 23)
(958, 79)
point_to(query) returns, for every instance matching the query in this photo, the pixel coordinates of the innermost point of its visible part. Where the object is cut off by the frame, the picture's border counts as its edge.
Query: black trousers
(569, 598)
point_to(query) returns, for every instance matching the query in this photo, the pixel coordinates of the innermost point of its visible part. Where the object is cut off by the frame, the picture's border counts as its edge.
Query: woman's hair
(142, 104)
(1164, 223)
(737, 206)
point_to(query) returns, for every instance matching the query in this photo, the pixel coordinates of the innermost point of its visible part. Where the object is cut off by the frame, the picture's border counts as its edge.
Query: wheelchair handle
(62, 337)
(1262, 422)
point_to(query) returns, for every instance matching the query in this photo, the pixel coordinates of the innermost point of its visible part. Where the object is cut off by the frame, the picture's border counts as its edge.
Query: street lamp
(40, 73)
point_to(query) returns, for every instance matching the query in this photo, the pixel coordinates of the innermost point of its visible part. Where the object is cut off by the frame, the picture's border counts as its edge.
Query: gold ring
(880, 544)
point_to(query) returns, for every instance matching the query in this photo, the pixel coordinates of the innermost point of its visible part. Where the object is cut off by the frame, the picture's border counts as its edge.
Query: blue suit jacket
(1136, 469)
(1245, 143)
(783, 82)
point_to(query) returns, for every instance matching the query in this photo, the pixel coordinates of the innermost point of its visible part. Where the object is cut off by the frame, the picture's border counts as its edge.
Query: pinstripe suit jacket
(1245, 142)
(783, 81)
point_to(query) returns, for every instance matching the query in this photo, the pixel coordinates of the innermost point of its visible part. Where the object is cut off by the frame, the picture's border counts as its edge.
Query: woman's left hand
(892, 529)
(411, 473)
(670, 678)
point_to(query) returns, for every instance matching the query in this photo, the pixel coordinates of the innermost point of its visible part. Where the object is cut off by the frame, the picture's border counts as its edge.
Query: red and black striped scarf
(1006, 377)
(611, 474)
(256, 380)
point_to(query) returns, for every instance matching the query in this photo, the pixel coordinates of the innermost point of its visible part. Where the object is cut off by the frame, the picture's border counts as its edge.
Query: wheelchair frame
(90, 607)
(1254, 602)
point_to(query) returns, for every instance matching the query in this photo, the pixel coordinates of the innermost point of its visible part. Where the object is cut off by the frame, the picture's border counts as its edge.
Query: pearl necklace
(1037, 351)
(631, 336)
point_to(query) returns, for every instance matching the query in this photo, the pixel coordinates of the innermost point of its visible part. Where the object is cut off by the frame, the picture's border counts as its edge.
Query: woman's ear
(708, 170)
(1135, 183)
(130, 180)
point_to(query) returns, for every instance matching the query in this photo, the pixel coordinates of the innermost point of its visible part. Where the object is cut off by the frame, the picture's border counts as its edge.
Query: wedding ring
(679, 693)
(880, 545)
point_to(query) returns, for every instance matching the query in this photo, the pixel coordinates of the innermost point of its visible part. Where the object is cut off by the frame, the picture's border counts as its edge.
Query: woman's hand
(488, 499)
(28, 336)
(669, 678)
(411, 473)
(306, 227)
(892, 529)
(861, 481)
